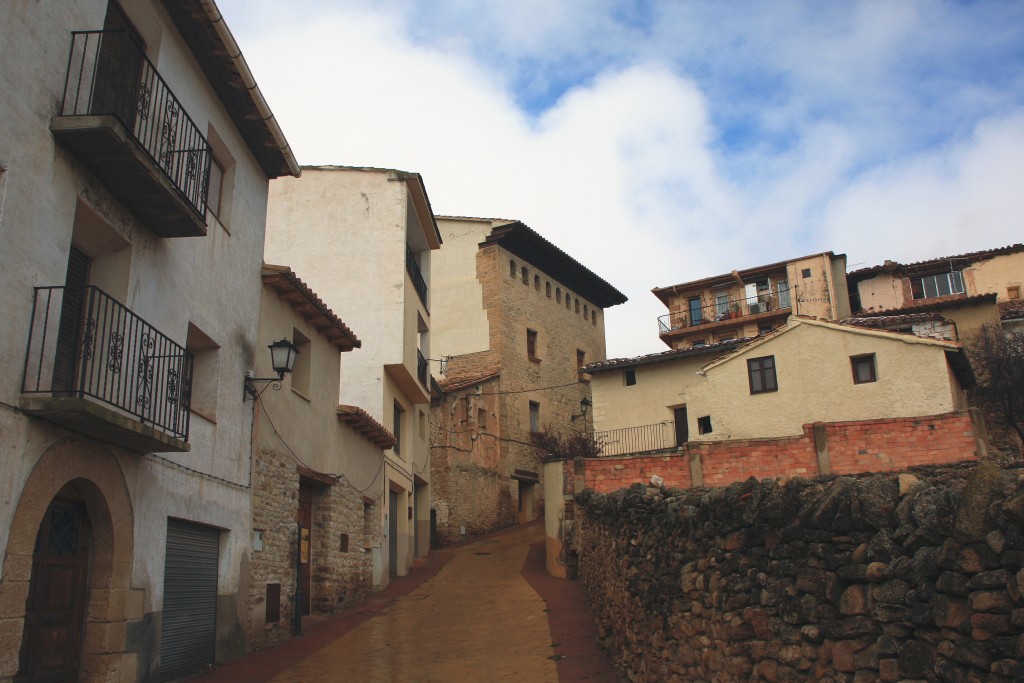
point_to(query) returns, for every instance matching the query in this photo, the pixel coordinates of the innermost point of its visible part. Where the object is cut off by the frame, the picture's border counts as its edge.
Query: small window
(864, 368)
(568, 301)
(704, 425)
(577, 305)
(932, 286)
(586, 312)
(805, 273)
(764, 329)
(593, 318)
(397, 421)
(481, 418)
(698, 342)
(630, 377)
(547, 289)
(761, 372)
(512, 268)
(213, 195)
(581, 360)
(423, 424)
(205, 388)
(343, 543)
(531, 344)
(558, 295)
(526, 276)
(534, 416)
(1013, 292)
(536, 282)
(303, 363)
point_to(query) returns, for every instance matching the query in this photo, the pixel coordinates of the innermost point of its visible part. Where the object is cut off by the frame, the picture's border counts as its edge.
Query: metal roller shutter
(190, 599)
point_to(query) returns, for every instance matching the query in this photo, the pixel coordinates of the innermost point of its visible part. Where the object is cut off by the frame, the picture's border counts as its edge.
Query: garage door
(190, 599)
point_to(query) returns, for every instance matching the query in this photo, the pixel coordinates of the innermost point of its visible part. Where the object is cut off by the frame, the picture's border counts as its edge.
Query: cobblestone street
(484, 611)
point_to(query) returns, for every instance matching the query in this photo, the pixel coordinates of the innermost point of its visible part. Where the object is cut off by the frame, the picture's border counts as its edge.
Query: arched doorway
(51, 645)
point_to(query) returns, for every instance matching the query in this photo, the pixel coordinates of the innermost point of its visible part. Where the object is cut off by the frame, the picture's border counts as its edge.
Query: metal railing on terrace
(726, 309)
(109, 74)
(416, 274)
(84, 343)
(660, 436)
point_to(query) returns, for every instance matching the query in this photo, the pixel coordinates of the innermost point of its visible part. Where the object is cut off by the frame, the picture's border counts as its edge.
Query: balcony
(97, 368)
(120, 118)
(724, 312)
(632, 440)
(413, 268)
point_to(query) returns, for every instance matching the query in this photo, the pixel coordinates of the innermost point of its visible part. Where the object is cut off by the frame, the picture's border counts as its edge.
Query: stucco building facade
(749, 302)
(363, 239)
(515, 319)
(136, 152)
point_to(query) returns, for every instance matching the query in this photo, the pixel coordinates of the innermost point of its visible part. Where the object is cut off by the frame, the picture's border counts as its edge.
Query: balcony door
(69, 332)
(118, 68)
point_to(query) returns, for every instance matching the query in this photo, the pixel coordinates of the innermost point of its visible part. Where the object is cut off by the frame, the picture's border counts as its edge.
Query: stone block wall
(916, 576)
(824, 448)
(342, 576)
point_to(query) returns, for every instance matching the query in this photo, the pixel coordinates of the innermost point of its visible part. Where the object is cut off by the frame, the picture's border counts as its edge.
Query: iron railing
(775, 300)
(644, 439)
(109, 74)
(421, 367)
(84, 343)
(416, 274)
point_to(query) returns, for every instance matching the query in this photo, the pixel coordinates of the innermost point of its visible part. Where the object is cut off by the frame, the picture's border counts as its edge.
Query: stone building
(746, 303)
(317, 489)
(363, 239)
(515, 318)
(135, 155)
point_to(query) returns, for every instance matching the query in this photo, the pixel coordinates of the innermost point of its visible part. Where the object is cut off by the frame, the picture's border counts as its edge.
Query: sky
(662, 141)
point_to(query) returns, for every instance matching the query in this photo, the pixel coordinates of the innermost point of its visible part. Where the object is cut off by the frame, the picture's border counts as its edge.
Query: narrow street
(484, 611)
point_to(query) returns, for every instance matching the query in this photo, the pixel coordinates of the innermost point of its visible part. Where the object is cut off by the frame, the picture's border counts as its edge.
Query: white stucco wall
(458, 293)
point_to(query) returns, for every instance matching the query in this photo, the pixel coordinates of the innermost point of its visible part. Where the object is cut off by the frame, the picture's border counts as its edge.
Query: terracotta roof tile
(664, 356)
(307, 304)
(970, 257)
(361, 421)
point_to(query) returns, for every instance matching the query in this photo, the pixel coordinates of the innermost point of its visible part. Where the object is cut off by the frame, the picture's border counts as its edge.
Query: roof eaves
(306, 303)
(362, 422)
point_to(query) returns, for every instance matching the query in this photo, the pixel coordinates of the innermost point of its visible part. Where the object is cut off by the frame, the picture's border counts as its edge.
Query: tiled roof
(935, 303)
(307, 304)
(970, 257)
(664, 356)
(461, 382)
(1011, 310)
(528, 244)
(361, 421)
(891, 320)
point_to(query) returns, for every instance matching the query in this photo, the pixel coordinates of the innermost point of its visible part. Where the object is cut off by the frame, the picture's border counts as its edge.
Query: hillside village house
(362, 239)
(136, 156)
(754, 301)
(966, 288)
(516, 318)
(317, 488)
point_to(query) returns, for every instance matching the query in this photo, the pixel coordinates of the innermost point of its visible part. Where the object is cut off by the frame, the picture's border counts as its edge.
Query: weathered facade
(746, 303)
(516, 318)
(363, 239)
(316, 493)
(136, 157)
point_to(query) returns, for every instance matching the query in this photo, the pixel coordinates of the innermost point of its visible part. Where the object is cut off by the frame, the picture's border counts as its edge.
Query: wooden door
(682, 426)
(305, 546)
(51, 647)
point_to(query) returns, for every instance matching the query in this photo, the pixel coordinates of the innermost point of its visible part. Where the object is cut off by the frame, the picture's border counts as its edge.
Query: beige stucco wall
(823, 294)
(815, 383)
(880, 293)
(457, 291)
(211, 282)
(659, 388)
(996, 275)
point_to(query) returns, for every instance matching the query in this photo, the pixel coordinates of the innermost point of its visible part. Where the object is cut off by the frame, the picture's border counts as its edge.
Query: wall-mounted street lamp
(282, 358)
(584, 407)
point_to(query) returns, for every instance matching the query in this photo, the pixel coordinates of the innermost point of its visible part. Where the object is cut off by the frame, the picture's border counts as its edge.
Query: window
(222, 174)
(1013, 292)
(536, 282)
(423, 424)
(531, 344)
(698, 342)
(568, 301)
(397, 420)
(303, 362)
(558, 295)
(547, 289)
(762, 375)
(512, 268)
(216, 185)
(586, 312)
(481, 418)
(273, 604)
(630, 377)
(696, 317)
(577, 305)
(942, 284)
(526, 276)
(864, 368)
(704, 425)
(805, 273)
(581, 360)
(534, 416)
(593, 317)
(205, 372)
(764, 329)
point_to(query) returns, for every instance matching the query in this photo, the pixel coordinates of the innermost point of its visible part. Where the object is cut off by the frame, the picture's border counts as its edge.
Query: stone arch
(97, 476)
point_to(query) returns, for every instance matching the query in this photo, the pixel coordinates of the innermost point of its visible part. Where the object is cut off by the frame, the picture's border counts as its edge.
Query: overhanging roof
(528, 245)
(955, 262)
(202, 26)
(664, 356)
(306, 303)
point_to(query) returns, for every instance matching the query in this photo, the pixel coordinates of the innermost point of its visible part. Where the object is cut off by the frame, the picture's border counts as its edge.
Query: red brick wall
(853, 447)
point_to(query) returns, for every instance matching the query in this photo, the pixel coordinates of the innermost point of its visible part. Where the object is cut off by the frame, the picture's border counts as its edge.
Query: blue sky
(661, 141)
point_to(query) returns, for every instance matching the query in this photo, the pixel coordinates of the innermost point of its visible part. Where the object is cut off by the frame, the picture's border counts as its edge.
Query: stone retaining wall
(893, 577)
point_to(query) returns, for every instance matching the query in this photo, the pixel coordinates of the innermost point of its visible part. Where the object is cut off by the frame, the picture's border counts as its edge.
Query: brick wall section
(853, 447)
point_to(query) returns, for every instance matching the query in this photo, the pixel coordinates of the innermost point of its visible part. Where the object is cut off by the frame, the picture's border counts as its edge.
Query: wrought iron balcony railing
(726, 309)
(421, 367)
(84, 343)
(109, 74)
(413, 269)
(644, 439)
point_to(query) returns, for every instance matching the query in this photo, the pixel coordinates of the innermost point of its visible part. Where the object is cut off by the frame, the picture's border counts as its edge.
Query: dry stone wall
(915, 576)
